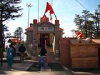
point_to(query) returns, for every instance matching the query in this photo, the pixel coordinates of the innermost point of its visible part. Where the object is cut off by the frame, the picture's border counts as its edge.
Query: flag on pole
(50, 9)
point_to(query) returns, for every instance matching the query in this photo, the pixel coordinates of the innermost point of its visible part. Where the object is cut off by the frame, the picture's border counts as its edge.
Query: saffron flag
(44, 18)
(49, 8)
(79, 34)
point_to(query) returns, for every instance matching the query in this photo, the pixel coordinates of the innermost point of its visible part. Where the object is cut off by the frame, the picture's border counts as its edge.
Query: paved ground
(20, 69)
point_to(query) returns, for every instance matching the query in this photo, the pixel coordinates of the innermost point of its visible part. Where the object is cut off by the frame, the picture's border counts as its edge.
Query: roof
(84, 41)
(15, 40)
(29, 28)
(60, 28)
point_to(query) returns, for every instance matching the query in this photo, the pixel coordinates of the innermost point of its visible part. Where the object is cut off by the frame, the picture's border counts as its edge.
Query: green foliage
(18, 33)
(9, 10)
(88, 24)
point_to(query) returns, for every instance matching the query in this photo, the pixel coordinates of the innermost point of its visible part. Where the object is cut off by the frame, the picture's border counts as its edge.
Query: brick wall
(84, 56)
(65, 52)
(78, 55)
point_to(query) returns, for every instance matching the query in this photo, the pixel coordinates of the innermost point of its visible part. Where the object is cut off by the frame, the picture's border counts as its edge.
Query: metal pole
(38, 10)
(51, 2)
(29, 6)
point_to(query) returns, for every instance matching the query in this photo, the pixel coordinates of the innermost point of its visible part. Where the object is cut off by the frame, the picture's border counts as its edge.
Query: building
(44, 33)
(72, 52)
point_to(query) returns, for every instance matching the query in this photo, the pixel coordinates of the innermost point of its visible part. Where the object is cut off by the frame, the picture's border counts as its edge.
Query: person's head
(43, 47)
(10, 45)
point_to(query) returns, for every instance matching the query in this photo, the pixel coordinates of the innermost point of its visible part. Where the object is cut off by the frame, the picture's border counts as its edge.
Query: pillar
(57, 38)
(35, 35)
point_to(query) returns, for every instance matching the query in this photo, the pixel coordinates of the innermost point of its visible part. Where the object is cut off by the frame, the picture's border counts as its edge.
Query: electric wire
(82, 5)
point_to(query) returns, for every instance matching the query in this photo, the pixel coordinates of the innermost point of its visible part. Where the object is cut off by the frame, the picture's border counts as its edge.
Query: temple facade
(44, 33)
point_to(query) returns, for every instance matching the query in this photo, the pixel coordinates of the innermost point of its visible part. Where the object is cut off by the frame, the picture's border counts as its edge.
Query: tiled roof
(15, 40)
(60, 28)
(29, 28)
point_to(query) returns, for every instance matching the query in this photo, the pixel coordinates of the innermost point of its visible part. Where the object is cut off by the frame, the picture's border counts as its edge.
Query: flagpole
(54, 12)
(55, 16)
(38, 10)
(51, 2)
(52, 6)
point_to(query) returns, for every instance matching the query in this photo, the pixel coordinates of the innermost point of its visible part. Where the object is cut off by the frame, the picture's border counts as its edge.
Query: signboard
(45, 28)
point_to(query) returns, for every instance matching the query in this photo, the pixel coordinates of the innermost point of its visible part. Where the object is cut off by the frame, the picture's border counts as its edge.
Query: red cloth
(49, 8)
(79, 34)
(44, 18)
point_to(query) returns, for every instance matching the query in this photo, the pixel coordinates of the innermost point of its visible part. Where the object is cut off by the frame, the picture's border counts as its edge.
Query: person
(42, 54)
(1, 54)
(14, 54)
(10, 51)
(22, 50)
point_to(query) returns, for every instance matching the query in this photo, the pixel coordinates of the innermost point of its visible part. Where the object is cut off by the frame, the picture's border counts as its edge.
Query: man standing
(42, 55)
(22, 50)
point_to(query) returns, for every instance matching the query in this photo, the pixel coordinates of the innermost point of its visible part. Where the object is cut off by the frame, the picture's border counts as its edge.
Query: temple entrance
(46, 34)
(44, 39)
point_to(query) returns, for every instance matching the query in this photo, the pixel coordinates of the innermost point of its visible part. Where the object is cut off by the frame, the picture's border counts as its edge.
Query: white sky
(65, 11)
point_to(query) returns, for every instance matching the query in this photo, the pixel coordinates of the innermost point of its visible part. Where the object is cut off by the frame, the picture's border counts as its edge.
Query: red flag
(50, 17)
(44, 18)
(79, 34)
(49, 8)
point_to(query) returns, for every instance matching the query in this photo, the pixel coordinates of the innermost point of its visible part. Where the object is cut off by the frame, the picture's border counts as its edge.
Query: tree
(90, 22)
(84, 24)
(96, 18)
(8, 10)
(78, 21)
(18, 33)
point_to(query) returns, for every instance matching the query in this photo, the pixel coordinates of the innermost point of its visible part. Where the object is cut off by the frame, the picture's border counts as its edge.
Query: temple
(71, 52)
(46, 34)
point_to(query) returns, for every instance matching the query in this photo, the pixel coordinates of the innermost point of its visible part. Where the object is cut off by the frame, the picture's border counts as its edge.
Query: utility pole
(38, 10)
(29, 5)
